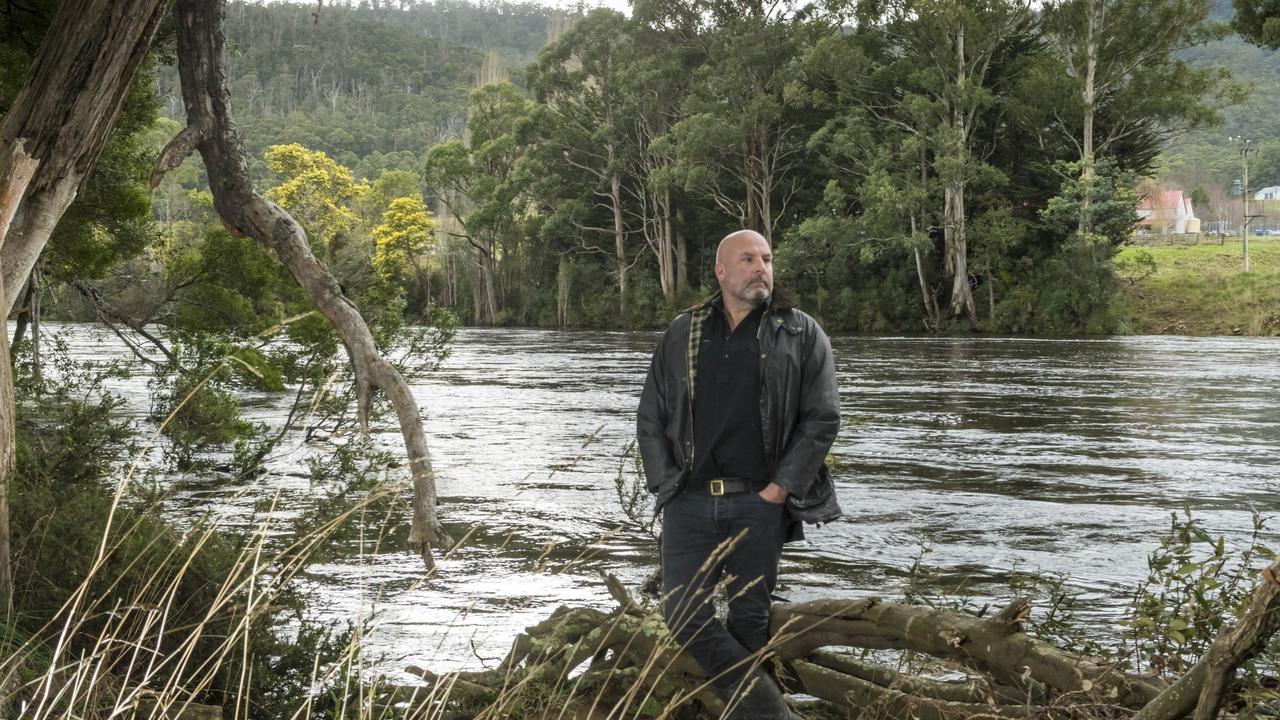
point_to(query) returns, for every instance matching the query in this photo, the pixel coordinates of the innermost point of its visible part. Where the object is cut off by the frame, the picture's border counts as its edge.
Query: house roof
(1168, 199)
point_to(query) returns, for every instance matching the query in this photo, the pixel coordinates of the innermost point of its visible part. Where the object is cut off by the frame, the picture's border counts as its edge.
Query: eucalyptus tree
(881, 196)
(477, 183)
(951, 50)
(578, 82)
(739, 143)
(1132, 91)
(657, 84)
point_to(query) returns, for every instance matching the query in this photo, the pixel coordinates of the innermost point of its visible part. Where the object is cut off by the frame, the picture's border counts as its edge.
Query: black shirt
(727, 438)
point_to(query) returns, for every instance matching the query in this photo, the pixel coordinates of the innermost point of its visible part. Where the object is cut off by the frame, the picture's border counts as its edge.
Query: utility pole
(1243, 144)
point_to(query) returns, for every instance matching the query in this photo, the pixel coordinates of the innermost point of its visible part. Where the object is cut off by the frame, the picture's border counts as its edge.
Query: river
(999, 455)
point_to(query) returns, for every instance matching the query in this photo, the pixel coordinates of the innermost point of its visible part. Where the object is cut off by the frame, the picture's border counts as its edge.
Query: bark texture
(65, 111)
(17, 169)
(212, 132)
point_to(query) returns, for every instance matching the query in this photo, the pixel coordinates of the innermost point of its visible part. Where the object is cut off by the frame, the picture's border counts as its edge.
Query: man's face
(745, 269)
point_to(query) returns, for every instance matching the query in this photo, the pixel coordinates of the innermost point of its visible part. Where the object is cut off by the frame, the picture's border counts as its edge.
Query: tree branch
(200, 66)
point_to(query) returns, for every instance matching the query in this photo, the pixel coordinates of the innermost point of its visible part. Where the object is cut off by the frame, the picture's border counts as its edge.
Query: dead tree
(210, 130)
(625, 659)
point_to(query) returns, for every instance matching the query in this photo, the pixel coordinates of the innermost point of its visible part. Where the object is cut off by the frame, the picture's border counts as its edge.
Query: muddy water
(998, 455)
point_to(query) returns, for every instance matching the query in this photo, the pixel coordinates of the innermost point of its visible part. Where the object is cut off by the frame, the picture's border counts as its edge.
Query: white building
(1268, 193)
(1167, 213)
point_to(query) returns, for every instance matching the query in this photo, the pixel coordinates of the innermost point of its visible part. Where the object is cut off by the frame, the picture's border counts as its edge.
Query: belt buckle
(716, 487)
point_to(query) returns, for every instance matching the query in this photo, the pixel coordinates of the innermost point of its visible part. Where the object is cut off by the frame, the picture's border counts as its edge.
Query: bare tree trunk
(17, 168)
(35, 285)
(619, 242)
(243, 210)
(682, 253)
(1088, 98)
(991, 294)
(564, 289)
(930, 307)
(750, 174)
(65, 111)
(477, 291)
(670, 286)
(957, 261)
(488, 271)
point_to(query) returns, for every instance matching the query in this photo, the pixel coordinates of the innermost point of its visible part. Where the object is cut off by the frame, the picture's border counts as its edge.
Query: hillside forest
(917, 165)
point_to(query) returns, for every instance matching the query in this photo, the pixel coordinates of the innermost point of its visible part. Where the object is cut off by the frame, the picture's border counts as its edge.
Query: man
(738, 412)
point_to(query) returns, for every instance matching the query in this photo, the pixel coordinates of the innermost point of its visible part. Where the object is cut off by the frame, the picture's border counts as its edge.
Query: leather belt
(728, 486)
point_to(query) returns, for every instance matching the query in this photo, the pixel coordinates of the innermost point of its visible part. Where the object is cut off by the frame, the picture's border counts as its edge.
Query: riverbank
(1201, 289)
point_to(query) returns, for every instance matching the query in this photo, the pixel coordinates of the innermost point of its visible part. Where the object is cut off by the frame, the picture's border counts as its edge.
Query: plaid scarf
(697, 319)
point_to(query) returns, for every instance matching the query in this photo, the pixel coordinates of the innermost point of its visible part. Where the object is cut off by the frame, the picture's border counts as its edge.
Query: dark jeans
(696, 530)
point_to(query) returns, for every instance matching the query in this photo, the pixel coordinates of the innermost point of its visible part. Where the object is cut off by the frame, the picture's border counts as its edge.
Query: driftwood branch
(108, 313)
(199, 25)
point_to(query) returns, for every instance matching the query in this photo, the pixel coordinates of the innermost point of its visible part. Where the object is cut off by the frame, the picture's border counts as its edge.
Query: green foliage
(195, 398)
(71, 431)
(77, 497)
(1197, 586)
(1070, 290)
(403, 237)
(1111, 204)
(227, 283)
(1258, 21)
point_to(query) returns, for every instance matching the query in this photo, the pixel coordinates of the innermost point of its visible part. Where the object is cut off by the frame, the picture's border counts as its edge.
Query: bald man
(738, 412)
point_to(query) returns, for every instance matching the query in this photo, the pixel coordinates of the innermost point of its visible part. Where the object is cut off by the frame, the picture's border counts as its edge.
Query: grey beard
(763, 294)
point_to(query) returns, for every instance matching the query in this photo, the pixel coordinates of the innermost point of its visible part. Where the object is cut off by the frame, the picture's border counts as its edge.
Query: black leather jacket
(799, 400)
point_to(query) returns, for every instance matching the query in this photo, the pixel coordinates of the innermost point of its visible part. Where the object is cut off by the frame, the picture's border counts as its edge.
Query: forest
(577, 172)
(297, 206)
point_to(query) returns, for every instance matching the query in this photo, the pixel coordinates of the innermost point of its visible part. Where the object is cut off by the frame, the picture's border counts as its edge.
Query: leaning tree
(56, 128)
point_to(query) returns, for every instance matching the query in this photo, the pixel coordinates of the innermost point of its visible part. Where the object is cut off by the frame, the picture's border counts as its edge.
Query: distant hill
(1258, 117)
(373, 85)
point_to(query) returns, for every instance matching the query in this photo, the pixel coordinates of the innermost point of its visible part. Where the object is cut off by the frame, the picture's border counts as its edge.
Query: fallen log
(840, 688)
(992, 645)
(625, 660)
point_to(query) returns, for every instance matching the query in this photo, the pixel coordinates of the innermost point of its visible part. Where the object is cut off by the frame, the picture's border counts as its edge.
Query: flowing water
(1062, 457)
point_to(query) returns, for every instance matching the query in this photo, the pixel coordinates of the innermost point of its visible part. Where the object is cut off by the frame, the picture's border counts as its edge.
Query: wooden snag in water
(625, 658)
(210, 130)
